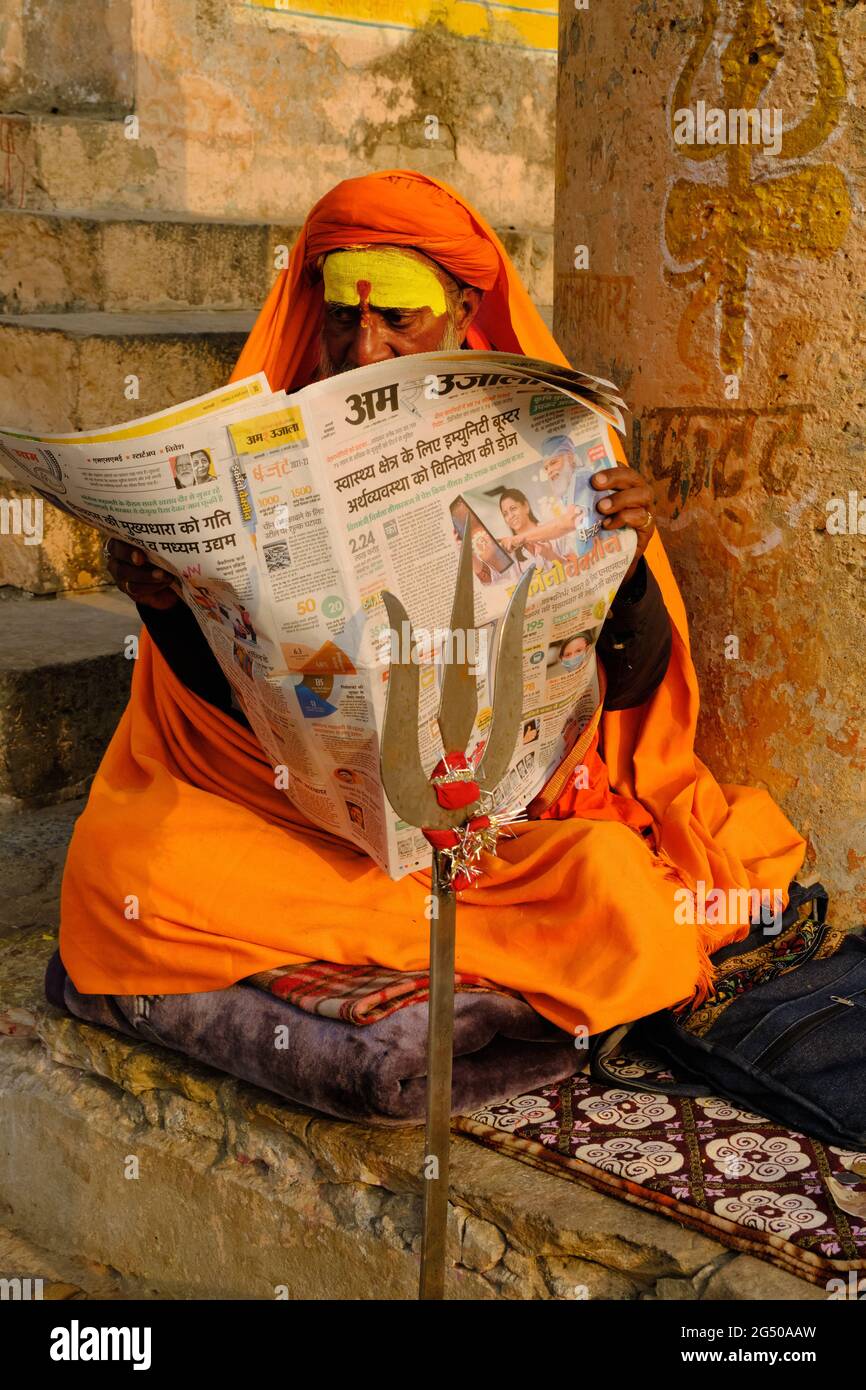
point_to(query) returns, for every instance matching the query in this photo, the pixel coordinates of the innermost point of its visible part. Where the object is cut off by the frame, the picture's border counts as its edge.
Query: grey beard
(450, 342)
(562, 485)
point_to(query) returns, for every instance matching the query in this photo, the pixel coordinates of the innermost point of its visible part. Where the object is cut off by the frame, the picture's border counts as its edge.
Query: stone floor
(127, 1172)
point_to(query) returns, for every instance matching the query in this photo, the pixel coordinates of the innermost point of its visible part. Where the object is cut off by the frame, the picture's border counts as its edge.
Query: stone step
(243, 1195)
(61, 1277)
(46, 551)
(54, 164)
(61, 261)
(64, 680)
(57, 261)
(33, 845)
(88, 162)
(72, 370)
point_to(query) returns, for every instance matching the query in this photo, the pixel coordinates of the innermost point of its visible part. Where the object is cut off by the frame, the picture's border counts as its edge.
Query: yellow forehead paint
(386, 279)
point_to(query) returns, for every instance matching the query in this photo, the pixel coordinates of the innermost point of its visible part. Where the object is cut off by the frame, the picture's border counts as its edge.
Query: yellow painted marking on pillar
(802, 211)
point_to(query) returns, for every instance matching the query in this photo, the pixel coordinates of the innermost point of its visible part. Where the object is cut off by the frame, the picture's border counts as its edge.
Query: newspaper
(283, 517)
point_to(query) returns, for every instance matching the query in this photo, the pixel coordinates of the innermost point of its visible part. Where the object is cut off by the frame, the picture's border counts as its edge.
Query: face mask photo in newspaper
(568, 656)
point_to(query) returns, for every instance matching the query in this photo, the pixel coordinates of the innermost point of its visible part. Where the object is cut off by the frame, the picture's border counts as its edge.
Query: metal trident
(412, 796)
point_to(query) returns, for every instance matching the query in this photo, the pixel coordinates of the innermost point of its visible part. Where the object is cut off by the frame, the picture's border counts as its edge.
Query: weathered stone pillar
(710, 258)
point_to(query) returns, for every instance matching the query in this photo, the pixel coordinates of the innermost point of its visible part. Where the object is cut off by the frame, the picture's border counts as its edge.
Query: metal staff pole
(413, 798)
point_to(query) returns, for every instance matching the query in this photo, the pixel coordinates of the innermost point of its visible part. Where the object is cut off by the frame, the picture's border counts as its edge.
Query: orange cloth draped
(188, 870)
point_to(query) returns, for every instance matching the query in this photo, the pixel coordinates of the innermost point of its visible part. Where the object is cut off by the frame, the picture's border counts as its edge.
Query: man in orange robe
(189, 871)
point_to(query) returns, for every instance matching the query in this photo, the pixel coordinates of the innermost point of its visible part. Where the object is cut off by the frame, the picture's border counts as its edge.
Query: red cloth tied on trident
(451, 795)
(575, 911)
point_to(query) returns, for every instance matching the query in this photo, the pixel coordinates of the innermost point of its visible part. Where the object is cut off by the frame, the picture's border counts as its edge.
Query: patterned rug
(737, 1177)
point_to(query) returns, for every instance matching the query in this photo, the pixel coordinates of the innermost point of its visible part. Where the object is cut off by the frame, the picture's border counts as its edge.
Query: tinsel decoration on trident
(454, 809)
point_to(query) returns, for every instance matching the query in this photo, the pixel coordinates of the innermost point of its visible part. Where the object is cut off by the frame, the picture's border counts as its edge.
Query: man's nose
(370, 343)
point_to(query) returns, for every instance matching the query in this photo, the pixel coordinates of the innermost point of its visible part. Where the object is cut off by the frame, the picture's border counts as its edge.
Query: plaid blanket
(360, 994)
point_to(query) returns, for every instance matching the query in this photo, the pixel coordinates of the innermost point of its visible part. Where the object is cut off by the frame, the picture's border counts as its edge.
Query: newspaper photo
(284, 517)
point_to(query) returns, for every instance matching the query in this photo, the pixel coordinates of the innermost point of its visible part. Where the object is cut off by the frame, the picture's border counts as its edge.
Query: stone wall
(252, 111)
(722, 287)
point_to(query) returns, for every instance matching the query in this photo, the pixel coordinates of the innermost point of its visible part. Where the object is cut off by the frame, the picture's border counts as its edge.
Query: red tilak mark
(364, 287)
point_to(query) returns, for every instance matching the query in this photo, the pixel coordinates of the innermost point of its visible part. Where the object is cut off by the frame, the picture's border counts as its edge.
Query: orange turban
(395, 208)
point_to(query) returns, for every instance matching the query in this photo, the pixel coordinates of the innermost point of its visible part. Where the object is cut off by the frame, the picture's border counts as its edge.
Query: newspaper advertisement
(284, 517)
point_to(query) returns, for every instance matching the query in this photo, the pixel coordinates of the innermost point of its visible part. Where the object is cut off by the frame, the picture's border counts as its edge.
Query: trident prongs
(507, 690)
(406, 784)
(458, 702)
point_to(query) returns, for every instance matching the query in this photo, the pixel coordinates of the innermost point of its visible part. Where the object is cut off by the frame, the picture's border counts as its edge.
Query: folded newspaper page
(283, 517)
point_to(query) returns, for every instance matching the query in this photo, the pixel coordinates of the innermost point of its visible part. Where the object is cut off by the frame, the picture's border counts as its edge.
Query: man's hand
(133, 573)
(631, 505)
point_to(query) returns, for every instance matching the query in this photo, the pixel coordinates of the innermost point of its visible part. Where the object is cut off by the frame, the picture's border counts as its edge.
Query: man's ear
(468, 304)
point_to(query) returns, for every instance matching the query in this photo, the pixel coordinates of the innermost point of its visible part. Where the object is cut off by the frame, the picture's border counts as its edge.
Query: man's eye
(397, 318)
(342, 313)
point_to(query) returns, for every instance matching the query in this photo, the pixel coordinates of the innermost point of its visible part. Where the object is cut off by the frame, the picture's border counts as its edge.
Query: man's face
(383, 302)
(183, 472)
(559, 470)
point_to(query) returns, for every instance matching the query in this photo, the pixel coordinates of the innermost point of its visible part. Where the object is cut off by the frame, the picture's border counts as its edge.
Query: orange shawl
(188, 871)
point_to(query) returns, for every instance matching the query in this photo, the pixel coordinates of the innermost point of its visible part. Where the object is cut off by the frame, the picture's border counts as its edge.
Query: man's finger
(161, 598)
(125, 554)
(633, 497)
(121, 553)
(616, 477)
(632, 516)
(131, 574)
